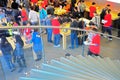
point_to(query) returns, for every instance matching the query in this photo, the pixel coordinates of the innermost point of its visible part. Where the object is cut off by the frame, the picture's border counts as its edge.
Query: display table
(59, 11)
(65, 33)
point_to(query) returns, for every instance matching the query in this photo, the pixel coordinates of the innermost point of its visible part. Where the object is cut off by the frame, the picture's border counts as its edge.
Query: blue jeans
(74, 38)
(56, 39)
(25, 22)
(8, 59)
(49, 34)
(34, 23)
(21, 61)
(42, 22)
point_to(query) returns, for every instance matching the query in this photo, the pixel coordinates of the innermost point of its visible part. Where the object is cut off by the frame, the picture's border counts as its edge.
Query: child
(28, 35)
(37, 45)
(94, 42)
(56, 31)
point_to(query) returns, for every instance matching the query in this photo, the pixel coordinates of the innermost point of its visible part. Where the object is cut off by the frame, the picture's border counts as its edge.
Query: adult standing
(73, 36)
(118, 25)
(102, 15)
(7, 50)
(49, 30)
(42, 15)
(19, 53)
(108, 23)
(92, 9)
(103, 12)
(81, 7)
(33, 17)
(16, 12)
(72, 4)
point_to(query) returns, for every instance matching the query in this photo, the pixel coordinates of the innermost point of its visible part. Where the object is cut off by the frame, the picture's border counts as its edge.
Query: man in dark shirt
(104, 12)
(74, 38)
(102, 15)
(118, 25)
(72, 4)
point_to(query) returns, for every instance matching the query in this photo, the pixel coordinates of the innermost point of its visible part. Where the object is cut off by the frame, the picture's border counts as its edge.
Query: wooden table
(65, 33)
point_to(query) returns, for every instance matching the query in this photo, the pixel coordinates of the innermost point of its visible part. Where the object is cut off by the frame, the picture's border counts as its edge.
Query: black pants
(90, 53)
(108, 30)
(119, 33)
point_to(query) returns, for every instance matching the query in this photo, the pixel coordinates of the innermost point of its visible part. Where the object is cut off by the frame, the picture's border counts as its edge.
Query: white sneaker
(57, 45)
(110, 39)
(104, 36)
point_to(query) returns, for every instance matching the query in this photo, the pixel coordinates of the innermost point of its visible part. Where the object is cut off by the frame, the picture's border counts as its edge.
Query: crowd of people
(33, 13)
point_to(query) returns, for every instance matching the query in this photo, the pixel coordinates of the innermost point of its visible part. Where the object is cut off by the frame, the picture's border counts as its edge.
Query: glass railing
(107, 49)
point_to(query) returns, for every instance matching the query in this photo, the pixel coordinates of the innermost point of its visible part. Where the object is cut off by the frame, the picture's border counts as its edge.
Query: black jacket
(118, 23)
(74, 24)
(6, 49)
(4, 33)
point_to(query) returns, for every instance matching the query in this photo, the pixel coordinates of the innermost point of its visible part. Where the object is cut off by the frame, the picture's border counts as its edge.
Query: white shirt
(33, 16)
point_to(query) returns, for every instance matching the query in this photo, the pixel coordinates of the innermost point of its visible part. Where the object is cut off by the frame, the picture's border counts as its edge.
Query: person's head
(19, 40)
(119, 14)
(32, 8)
(108, 11)
(93, 3)
(108, 5)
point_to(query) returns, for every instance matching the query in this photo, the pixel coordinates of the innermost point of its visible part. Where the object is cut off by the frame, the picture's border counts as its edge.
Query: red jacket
(95, 40)
(56, 23)
(108, 18)
(24, 15)
(27, 31)
(92, 10)
(34, 1)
